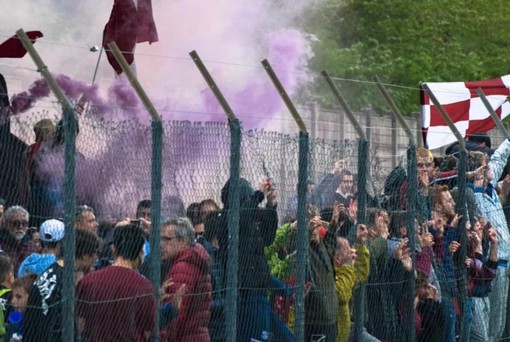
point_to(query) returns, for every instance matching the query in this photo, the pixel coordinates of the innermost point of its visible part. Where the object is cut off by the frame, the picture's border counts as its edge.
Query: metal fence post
(302, 230)
(156, 178)
(233, 230)
(363, 165)
(156, 189)
(460, 209)
(233, 202)
(69, 243)
(412, 198)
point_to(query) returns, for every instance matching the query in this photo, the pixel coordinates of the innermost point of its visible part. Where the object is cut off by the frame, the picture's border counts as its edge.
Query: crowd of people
(116, 301)
(113, 259)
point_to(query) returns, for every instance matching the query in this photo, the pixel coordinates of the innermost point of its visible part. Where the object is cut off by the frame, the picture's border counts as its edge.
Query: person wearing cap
(43, 318)
(51, 234)
(479, 141)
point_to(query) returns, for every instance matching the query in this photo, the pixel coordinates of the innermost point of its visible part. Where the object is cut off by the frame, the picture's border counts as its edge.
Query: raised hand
(454, 247)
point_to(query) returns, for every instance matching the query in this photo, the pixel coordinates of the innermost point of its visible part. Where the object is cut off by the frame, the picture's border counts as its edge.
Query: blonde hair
(423, 153)
(43, 129)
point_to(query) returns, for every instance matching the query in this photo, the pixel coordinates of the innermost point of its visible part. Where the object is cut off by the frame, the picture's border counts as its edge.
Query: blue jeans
(450, 319)
(256, 319)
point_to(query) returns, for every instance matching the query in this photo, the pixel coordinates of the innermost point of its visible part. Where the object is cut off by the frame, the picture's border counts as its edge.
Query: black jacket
(257, 229)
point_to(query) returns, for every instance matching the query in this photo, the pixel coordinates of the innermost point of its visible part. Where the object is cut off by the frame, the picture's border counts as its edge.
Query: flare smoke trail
(230, 37)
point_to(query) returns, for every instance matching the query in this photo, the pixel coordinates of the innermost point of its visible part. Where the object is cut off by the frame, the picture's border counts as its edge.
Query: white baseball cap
(52, 230)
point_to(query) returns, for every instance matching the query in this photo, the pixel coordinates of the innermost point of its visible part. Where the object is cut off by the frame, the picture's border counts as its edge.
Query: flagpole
(492, 113)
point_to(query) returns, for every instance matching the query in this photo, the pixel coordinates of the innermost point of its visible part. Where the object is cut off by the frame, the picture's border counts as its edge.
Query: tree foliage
(405, 42)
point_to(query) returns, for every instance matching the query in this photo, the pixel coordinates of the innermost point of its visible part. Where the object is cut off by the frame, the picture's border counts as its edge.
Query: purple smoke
(25, 100)
(258, 101)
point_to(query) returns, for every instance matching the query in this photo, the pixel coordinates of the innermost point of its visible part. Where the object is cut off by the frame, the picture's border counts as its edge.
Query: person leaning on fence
(191, 267)
(257, 229)
(281, 257)
(14, 240)
(209, 240)
(388, 264)
(429, 315)
(321, 301)
(116, 302)
(324, 193)
(425, 175)
(351, 269)
(446, 231)
(43, 318)
(489, 205)
(482, 264)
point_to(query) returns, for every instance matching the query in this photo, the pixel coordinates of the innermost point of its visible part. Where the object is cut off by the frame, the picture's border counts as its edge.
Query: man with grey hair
(13, 238)
(191, 267)
(86, 218)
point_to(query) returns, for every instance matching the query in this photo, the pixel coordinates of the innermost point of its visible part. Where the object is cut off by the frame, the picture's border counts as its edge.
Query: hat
(480, 137)
(52, 230)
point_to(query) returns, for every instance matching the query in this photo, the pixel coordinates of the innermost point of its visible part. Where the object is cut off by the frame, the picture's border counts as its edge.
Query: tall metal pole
(460, 209)
(233, 202)
(396, 111)
(363, 166)
(345, 105)
(70, 125)
(302, 230)
(156, 178)
(412, 192)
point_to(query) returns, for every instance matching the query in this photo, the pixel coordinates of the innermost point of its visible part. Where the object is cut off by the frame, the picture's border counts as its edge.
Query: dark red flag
(13, 48)
(127, 27)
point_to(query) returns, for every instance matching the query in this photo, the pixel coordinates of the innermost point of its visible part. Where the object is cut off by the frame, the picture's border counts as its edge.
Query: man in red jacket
(190, 267)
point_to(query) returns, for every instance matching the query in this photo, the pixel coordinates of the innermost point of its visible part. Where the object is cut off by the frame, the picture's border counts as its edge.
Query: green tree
(406, 42)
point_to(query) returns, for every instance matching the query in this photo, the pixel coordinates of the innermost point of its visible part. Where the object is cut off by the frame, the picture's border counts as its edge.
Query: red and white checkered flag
(464, 107)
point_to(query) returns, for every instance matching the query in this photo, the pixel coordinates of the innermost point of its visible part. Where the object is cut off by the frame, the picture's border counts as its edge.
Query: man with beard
(14, 240)
(445, 232)
(487, 174)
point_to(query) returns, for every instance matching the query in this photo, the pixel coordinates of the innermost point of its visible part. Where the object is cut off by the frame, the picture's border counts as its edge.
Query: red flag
(129, 25)
(462, 104)
(13, 48)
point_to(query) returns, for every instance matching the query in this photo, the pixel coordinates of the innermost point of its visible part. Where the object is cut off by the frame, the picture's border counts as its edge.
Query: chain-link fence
(415, 273)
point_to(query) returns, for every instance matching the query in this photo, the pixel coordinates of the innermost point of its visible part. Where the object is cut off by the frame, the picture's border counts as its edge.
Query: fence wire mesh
(411, 279)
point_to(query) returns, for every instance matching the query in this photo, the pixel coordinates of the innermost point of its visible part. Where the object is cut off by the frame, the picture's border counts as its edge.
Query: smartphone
(136, 222)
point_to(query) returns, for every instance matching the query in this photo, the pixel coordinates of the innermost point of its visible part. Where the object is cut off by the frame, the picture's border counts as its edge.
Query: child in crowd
(6, 280)
(20, 290)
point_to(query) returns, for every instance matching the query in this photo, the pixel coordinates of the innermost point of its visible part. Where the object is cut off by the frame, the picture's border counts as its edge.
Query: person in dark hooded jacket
(257, 229)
